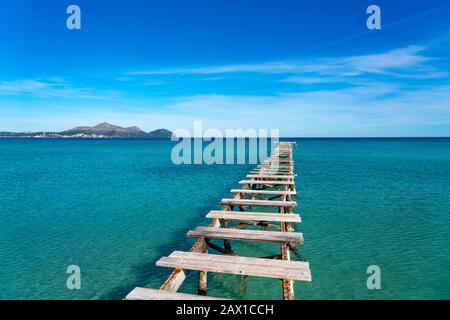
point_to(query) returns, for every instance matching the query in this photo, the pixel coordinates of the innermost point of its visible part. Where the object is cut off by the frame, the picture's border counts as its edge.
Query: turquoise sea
(114, 207)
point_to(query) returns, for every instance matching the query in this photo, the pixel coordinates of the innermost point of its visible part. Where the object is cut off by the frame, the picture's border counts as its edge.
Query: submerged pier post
(226, 242)
(202, 282)
(224, 224)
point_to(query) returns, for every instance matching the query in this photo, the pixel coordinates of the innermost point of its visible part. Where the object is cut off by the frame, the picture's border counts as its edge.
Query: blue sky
(309, 68)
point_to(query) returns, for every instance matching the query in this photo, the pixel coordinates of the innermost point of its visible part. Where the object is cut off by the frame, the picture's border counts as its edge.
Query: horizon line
(292, 137)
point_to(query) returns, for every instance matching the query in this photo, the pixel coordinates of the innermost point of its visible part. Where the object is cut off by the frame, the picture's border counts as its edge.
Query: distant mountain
(101, 130)
(160, 134)
(109, 130)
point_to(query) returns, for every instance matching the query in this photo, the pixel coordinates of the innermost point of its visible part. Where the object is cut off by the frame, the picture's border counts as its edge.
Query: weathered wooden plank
(269, 192)
(265, 182)
(153, 294)
(275, 165)
(238, 259)
(262, 203)
(254, 216)
(270, 176)
(270, 172)
(278, 159)
(246, 235)
(282, 156)
(282, 170)
(268, 268)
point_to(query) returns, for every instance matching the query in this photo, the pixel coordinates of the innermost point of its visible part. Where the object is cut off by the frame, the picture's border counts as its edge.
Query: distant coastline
(102, 130)
(106, 130)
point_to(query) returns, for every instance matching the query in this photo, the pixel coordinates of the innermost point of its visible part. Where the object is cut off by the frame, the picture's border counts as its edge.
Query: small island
(99, 131)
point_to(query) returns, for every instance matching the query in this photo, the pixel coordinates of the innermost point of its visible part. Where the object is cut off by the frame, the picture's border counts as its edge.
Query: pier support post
(226, 243)
(202, 282)
(288, 284)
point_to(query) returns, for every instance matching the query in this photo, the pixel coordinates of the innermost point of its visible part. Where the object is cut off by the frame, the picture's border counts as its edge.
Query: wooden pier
(270, 186)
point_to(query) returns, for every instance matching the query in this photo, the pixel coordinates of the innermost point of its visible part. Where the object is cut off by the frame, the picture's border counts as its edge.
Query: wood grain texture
(265, 182)
(154, 294)
(268, 268)
(254, 216)
(248, 235)
(270, 192)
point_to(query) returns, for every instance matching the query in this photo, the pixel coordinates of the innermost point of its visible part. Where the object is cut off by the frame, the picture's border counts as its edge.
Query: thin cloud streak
(398, 62)
(53, 88)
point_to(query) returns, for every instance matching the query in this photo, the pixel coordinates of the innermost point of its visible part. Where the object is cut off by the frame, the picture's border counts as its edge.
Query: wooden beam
(262, 203)
(254, 216)
(248, 235)
(270, 192)
(270, 176)
(265, 182)
(268, 268)
(153, 294)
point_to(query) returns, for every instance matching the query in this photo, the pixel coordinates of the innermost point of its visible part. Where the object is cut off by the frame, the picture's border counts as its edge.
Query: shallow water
(114, 207)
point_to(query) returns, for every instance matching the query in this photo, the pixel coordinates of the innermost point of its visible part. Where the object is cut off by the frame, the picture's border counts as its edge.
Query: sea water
(114, 207)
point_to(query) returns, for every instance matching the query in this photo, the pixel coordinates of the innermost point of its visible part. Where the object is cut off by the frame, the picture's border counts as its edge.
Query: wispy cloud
(403, 62)
(311, 79)
(23, 86)
(125, 79)
(151, 83)
(213, 78)
(53, 88)
(270, 67)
